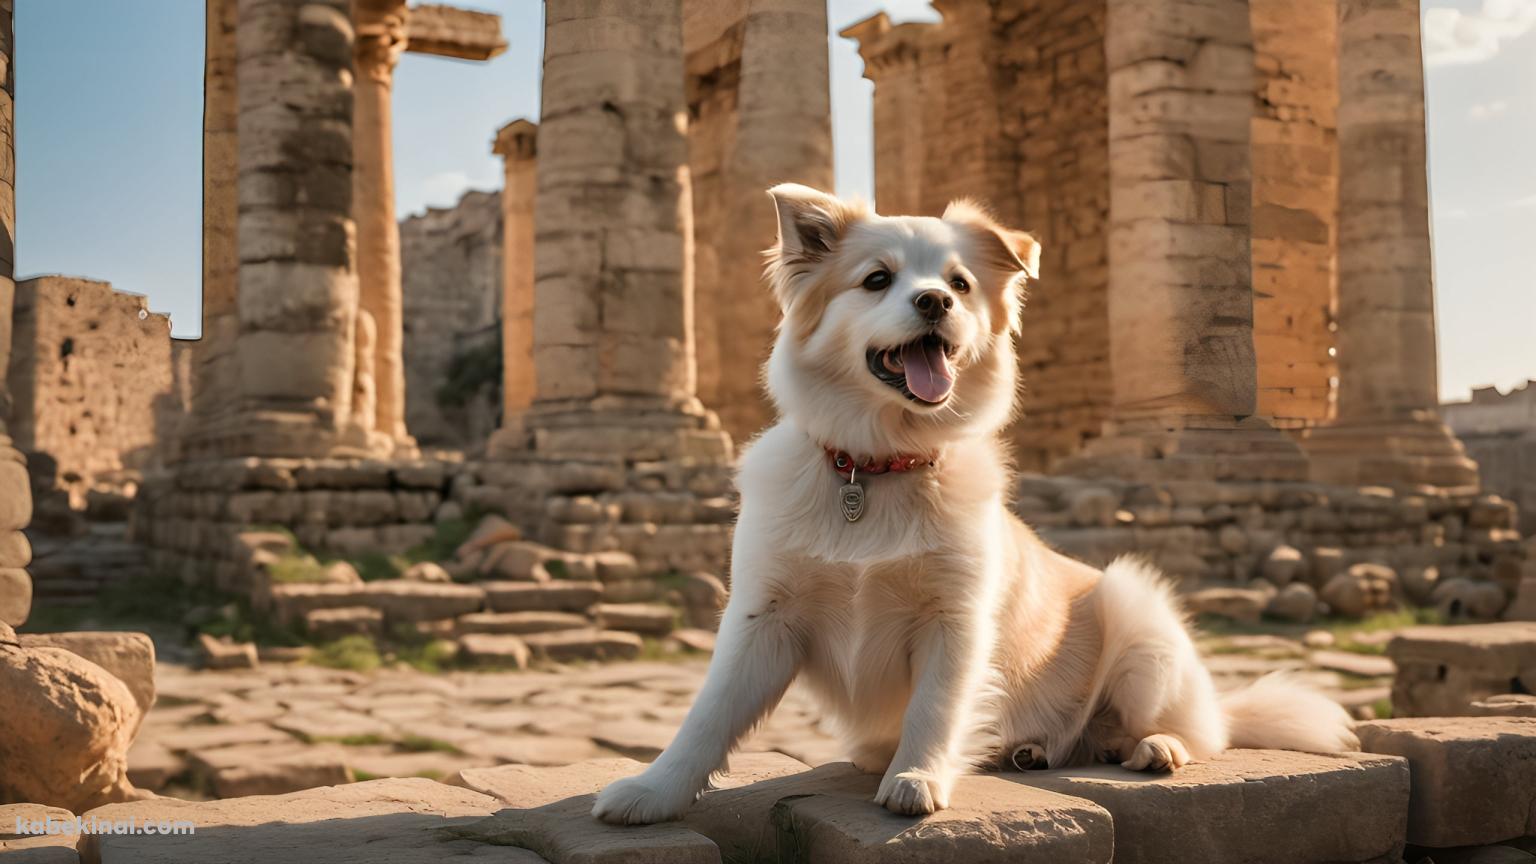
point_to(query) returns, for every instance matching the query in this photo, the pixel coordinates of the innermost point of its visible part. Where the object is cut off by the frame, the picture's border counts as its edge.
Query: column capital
(380, 32)
(517, 141)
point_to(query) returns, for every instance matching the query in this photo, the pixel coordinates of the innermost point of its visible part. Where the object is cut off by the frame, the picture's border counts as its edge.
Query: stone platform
(1244, 805)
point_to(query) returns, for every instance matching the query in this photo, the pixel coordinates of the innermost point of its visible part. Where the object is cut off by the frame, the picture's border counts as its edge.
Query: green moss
(423, 744)
(294, 567)
(369, 740)
(357, 653)
(1383, 708)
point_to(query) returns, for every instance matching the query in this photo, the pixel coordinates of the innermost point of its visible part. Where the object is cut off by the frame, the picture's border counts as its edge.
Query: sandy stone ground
(292, 726)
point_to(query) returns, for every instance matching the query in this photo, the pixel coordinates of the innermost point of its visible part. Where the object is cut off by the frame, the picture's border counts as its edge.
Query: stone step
(651, 619)
(555, 596)
(493, 649)
(1474, 778)
(521, 623)
(590, 644)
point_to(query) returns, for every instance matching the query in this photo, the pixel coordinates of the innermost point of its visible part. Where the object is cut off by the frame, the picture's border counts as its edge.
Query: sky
(108, 138)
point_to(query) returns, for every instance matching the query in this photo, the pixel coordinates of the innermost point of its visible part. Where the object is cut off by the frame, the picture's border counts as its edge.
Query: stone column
(214, 385)
(15, 490)
(1181, 76)
(516, 144)
(298, 289)
(381, 28)
(1388, 429)
(613, 349)
(784, 134)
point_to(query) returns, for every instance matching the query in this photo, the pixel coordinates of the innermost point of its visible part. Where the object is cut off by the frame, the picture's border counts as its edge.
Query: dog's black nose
(933, 305)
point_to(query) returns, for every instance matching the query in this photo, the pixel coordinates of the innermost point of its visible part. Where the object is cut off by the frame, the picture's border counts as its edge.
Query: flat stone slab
(35, 846)
(395, 821)
(404, 600)
(564, 646)
(521, 623)
(1253, 806)
(828, 816)
(556, 596)
(1474, 778)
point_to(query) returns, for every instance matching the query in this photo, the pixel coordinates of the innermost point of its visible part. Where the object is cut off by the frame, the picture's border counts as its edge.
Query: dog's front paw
(641, 800)
(1158, 753)
(912, 793)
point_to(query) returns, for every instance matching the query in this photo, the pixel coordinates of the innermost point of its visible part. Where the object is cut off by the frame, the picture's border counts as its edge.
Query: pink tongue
(928, 375)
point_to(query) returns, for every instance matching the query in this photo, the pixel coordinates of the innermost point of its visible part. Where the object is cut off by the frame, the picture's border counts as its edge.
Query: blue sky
(109, 131)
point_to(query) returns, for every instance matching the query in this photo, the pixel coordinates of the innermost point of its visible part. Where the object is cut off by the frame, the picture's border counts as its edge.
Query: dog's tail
(1277, 712)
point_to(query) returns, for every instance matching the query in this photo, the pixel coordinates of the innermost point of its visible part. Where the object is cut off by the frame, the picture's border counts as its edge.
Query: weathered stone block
(556, 596)
(130, 657)
(521, 623)
(1441, 671)
(401, 600)
(485, 648)
(592, 644)
(651, 619)
(36, 846)
(1474, 778)
(15, 596)
(328, 624)
(1245, 805)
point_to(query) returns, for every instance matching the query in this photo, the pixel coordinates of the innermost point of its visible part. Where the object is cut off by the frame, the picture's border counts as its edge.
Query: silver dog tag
(852, 498)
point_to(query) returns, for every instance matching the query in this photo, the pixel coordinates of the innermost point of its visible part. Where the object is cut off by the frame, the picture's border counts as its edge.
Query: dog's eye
(878, 280)
(960, 285)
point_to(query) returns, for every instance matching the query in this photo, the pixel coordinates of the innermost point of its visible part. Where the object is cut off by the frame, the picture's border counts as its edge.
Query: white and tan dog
(876, 558)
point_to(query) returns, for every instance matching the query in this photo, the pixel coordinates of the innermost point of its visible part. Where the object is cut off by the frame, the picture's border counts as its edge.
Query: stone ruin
(1499, 430)
(91, 382)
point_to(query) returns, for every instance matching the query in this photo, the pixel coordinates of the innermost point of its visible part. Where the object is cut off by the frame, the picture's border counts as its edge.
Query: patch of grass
(1383, 708)
(1344, 630)
(357, 653)
(424, 744)
(296, 567)
(435, 655)
(369, 740)
(557, 569)
(360, 775)
(374, 566)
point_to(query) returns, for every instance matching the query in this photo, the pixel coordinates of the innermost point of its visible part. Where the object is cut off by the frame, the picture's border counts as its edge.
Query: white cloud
(1525, 203)
(1487, 110)
(1453, 37)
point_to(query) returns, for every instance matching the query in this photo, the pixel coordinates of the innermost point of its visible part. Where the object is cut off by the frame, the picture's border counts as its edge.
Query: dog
(876, 560)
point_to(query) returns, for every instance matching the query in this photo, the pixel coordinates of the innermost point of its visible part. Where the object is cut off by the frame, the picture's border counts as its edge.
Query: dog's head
(897, 332)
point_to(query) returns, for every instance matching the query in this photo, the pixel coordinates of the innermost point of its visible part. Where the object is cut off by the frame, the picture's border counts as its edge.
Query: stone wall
(90, 368)
(1233, 532)
(451, 263)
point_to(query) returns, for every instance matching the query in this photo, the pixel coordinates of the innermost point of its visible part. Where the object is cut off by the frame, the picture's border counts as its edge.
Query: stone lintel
(447, 31)
(517, 141)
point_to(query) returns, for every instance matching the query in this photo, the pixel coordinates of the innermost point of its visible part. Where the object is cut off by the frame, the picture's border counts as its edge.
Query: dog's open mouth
(920, 369)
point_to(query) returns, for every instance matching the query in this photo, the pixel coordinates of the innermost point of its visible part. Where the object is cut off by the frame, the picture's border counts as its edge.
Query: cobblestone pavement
(292, 726)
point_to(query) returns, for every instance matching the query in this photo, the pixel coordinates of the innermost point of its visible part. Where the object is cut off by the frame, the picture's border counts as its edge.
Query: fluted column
(15, 490)
(381, 28)
(1180, 282)
(297, 284)
(516, 144)
(1388, 429)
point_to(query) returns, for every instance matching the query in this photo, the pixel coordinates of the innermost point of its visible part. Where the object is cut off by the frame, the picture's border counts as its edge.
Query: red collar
(844, 465)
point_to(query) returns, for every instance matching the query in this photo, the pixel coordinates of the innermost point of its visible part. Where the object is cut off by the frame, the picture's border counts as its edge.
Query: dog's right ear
(810, 224)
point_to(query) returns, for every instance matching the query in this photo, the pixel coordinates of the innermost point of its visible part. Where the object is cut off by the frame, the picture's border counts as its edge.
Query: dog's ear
(810, 223)
(1006, 249)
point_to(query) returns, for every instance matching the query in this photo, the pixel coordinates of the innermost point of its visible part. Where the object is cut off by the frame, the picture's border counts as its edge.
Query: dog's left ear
(1006, 249)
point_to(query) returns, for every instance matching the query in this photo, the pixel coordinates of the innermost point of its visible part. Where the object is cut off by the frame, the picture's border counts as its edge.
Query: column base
(1417, 452)
(643, 476)
(1188, 448)
(631, 429)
